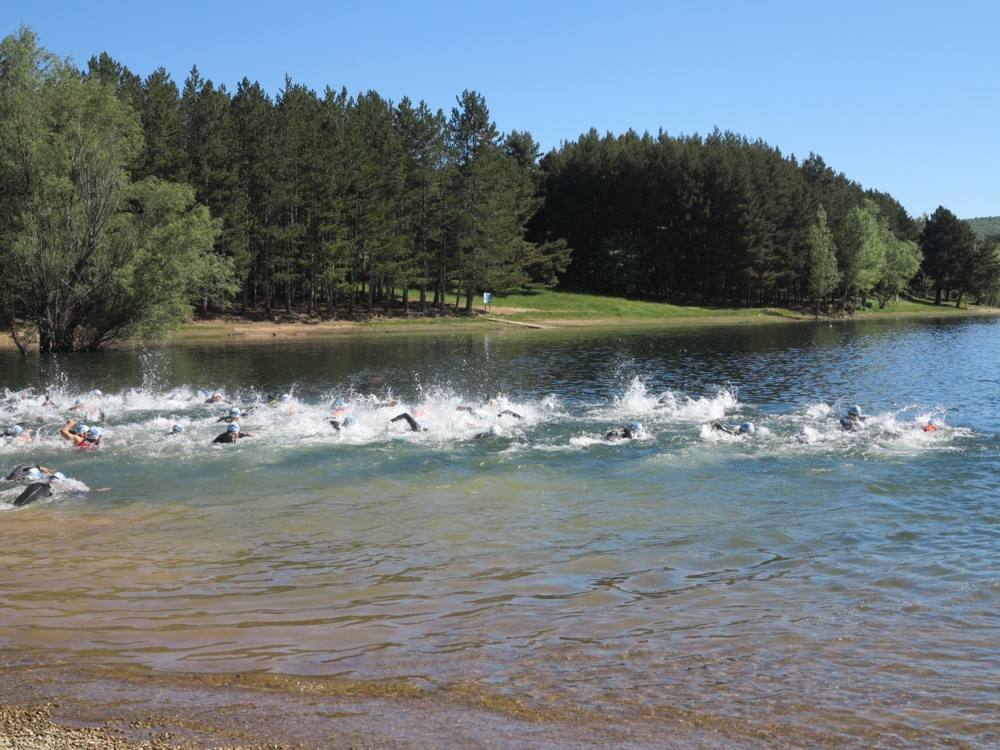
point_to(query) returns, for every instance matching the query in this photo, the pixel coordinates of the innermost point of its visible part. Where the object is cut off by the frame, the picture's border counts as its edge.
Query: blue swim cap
(13, 430)
(78, 402)
(178, 428)
(94, 433)
(634, 427)
(235, 412)
(338, 403)
(854, 411)
(233, 427)
(747, 428)
(34, 473)
(60, 476)
(78, 429)
(96, 393)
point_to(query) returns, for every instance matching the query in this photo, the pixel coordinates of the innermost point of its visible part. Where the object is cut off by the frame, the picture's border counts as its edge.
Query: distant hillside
(986, 226)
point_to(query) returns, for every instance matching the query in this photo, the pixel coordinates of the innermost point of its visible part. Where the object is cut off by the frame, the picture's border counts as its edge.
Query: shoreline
(241, 330)
(57, 706)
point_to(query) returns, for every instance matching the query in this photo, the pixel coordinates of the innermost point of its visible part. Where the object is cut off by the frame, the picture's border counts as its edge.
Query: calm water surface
(831, 583)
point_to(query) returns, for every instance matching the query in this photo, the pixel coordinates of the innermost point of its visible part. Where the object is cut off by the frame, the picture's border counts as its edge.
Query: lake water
(807, 582)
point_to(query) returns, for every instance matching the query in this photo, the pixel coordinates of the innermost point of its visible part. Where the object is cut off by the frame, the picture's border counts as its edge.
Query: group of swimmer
(88, 437)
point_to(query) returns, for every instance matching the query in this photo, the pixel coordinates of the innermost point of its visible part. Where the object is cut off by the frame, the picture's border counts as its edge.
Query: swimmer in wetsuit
(414, 425)
(31, 473)
(338, 424)
(744, 430)
(853, 421)
(627, 432)
(232, 434)
(16, 433)
(234, 414)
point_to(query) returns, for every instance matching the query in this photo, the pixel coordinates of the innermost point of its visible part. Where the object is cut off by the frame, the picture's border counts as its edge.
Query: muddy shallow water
(801, 587)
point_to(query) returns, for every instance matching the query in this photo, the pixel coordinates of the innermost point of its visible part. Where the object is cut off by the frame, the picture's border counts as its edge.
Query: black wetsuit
(850, 425)
(230, 437)
(414, 425)
(622, 433)
(34, 491)
(21, 472)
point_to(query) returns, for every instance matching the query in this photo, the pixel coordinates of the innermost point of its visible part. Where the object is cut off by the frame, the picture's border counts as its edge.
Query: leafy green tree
(902, 261)
(862, 256)
(93, 257)
(823, 273)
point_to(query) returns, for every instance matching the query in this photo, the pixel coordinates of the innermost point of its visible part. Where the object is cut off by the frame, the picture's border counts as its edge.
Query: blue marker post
(487, 300)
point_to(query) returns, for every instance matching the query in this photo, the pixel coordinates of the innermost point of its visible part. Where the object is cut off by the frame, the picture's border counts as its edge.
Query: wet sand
(47, 706)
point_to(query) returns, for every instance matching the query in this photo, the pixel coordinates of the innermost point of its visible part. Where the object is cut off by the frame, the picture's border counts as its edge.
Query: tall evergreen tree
(947, 243)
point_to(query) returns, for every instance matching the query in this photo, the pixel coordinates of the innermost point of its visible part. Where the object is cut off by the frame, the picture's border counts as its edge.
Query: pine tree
(947, 243)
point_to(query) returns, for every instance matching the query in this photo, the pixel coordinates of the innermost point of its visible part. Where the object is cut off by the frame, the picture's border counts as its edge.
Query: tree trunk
(958, 301)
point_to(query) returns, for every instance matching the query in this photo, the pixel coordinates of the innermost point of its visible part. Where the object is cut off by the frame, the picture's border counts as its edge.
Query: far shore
(234, 329)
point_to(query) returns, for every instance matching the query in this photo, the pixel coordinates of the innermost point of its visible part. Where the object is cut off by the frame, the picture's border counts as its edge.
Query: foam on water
(138, 420)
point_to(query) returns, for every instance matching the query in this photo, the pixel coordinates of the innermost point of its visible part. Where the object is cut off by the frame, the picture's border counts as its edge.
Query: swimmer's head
(13, 431)
(496, 430)
(285, 398)
(854, 411)
(747, 428)
(178, 428)
(235, 412)
(96, 394)
(59, 475)
(34, 474)
(633, 427)
(94, 433)
(338, 403)
(78, 402)
(233, 427)
(79, 429)
(348, 421)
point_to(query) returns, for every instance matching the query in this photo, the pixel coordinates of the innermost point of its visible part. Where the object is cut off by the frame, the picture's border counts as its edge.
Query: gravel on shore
(31, 728)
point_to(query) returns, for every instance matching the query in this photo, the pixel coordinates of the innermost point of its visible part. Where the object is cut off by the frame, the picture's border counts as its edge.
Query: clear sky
(901, 96)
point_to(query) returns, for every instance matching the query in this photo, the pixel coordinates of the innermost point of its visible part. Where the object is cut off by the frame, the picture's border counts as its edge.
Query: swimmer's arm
(409, 420)
(65, 429)
(509, 413)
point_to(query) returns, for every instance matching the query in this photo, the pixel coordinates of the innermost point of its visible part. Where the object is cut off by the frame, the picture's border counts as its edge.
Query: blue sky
(903, 97)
